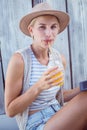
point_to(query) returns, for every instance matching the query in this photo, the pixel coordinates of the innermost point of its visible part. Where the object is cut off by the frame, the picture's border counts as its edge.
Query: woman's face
(44, 30)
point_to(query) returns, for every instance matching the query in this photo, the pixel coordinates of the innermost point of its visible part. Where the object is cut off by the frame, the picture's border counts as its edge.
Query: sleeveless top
(22, 118)
(46, 97)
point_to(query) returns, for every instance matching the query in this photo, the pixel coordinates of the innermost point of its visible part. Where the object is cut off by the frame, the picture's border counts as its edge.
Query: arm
(15, 102)
(69, 94)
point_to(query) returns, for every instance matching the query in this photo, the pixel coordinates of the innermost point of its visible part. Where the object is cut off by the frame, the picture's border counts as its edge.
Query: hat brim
(62, 17)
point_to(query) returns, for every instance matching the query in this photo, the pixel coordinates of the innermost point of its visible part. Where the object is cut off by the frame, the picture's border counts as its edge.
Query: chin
(46, 45)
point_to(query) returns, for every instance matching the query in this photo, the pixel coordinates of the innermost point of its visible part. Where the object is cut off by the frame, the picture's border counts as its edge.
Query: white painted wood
(1, 92)
(78, 39)
(11, 11)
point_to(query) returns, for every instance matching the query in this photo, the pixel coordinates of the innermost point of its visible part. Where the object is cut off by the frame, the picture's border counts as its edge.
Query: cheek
(38, 34)
(55, 34)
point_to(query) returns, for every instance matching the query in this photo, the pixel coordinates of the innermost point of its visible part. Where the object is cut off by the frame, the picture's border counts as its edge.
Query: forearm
(69, 94)
(19, 104)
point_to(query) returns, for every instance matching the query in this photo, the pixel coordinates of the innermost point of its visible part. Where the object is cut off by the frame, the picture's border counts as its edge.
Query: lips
(48, 40)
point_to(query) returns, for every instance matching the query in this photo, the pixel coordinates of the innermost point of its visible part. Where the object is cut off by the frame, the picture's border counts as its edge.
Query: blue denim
(39, 119)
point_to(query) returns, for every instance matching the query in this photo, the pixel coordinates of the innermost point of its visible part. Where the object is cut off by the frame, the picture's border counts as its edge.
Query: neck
(41, 54)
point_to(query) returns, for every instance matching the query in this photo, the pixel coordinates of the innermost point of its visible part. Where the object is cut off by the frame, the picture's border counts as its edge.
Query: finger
(51, 74)
(50, 70)
(57, 79)
(57, 73)
(58, 83)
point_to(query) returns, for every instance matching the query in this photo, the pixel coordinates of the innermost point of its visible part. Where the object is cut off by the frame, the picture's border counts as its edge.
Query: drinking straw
(51, 52)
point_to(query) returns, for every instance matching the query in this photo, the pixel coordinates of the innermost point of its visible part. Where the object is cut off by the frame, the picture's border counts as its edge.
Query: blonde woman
(30, 90)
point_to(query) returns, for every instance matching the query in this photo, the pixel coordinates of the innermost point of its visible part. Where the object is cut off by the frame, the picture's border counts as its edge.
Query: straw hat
(40, 10)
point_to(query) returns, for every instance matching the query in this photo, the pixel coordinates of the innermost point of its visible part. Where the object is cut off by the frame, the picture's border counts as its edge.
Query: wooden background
(72, 42)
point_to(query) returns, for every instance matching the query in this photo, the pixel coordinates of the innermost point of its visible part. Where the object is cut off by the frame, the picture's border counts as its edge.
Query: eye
(42, 27)
(53, 27)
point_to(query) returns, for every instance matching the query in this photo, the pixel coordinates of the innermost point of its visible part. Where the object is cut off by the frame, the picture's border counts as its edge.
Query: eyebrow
(42, 24)
(45, 24)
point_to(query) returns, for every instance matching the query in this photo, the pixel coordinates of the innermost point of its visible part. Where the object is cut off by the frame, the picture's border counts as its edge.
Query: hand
(49, 79)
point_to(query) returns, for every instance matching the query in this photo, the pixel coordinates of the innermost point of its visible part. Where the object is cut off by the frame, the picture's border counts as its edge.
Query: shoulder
(15, 69)
(17, 58)
(63, 60)
(24, 50)
(16, 63)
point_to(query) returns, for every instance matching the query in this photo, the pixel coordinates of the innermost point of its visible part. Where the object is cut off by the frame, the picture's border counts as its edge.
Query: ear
(30, 30)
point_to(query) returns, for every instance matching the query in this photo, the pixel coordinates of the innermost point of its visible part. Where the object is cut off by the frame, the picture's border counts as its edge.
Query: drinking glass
(55, 60)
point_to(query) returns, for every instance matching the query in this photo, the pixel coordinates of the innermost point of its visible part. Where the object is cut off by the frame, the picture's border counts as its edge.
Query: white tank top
(47, 97)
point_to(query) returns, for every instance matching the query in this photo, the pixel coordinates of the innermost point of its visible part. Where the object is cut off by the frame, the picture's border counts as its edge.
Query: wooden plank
(78, 39)
(10, 35)
(34, 2)
(1, 92)
(2, 110)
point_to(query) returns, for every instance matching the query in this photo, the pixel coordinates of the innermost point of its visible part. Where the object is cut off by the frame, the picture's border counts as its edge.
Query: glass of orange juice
(55, 60)
(60, 75)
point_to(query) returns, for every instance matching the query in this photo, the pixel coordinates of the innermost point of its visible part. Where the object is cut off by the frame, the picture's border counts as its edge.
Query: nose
(48, 32)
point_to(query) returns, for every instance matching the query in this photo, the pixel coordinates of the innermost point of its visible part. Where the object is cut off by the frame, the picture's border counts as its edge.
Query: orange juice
(59, 79)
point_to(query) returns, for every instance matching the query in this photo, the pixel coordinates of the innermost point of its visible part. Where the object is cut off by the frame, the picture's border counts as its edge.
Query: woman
(30, 90)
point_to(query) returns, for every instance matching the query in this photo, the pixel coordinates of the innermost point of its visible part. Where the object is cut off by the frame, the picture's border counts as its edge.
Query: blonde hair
(32, 22)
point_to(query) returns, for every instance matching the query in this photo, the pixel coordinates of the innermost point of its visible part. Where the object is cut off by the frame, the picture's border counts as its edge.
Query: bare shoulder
(17, 59)
(63, 60)
(15, 71)
(16, 62)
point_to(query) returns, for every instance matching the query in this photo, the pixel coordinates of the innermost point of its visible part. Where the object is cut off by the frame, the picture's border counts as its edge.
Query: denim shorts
(39, 119)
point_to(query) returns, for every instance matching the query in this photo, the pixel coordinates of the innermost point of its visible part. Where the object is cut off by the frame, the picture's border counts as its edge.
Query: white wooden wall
(71, 42)
(78, 39)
